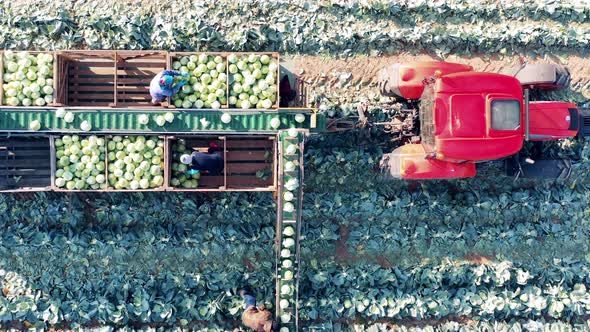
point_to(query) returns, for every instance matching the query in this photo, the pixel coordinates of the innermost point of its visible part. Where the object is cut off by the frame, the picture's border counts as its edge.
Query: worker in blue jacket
(166, 84)
(210, 163)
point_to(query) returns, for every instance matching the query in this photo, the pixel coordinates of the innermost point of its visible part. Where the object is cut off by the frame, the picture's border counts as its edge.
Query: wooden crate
(243, 157)
(25, 163)
(174, 56)
(55, 78)
(135, 71)
(164, 157)
(86, 78)
(108, 78)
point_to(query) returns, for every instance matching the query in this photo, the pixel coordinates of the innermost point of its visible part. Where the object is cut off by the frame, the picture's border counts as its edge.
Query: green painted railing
(127, 120)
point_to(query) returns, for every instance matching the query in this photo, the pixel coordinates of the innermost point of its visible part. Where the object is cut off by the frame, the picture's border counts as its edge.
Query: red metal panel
(550, 120)
(412, 75)
(478, 149)
(415, 164)
(468, 116)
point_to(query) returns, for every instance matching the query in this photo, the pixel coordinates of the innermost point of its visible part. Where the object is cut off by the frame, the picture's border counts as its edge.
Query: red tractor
(467, 117)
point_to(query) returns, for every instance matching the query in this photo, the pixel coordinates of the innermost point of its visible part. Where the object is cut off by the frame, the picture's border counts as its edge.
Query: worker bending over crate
(210, 163)
(166, 84)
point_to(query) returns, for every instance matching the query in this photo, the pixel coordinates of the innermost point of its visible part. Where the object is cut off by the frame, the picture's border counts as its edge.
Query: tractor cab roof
(476, 116)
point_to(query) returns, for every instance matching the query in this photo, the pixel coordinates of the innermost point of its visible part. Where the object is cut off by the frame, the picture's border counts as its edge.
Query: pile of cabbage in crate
(27, 79)
(179, 176)
(135, 162)
(207, 85)
(253, 81)
(80, 162)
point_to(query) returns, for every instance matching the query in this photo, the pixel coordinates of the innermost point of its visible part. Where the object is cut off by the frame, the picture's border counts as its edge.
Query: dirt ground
(363, 69)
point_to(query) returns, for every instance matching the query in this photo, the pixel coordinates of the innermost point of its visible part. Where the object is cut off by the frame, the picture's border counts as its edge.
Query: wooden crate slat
(134, 98)
(142, 64)
(24, 163)
(90, 64)
(24, 153)
(140, 56)
(27, 182)
(211, 181)
(83, 102)
(29, 172)
(102, 96)
(24, 143)
(134, 103)
(249, 143)
(92, 71)
(92, 88)
(141, 72)
(244, 168)
(241, 155)
(94, 80)
(247, 181)
(134, 95)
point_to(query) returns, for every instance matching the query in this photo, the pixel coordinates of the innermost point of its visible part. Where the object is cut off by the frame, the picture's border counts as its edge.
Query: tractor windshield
(505, 114)
(427, 115)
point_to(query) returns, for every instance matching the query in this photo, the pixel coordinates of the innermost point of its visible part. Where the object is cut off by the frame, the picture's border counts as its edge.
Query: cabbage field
(485, 254)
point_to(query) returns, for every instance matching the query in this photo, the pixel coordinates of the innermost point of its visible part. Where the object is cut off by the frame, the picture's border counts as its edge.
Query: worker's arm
(180, 79)
(193, 171)
(194, 166)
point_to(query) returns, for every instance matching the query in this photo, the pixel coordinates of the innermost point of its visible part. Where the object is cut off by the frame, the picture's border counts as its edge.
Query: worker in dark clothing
(166, 84)
(287, 94)
(207, 163)
(258, 319)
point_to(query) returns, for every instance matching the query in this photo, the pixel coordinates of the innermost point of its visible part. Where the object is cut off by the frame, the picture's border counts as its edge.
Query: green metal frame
(125, 120)
(287, 242)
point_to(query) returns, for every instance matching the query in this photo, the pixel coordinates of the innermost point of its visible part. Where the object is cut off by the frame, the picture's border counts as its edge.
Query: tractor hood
(477, 117)
(550, 120)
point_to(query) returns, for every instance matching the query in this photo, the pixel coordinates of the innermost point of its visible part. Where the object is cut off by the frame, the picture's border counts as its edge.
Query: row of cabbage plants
(302, 27)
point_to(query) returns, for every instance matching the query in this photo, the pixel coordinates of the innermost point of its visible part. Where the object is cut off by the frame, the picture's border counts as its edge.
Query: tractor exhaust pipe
(526, 115)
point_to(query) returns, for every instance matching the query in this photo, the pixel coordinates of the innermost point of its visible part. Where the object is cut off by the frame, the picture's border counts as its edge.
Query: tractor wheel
(543, 75)
(388, 81)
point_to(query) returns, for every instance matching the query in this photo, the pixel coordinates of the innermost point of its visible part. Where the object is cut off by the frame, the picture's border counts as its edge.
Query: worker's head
(166, 80)
(186, 159)
(213, 147)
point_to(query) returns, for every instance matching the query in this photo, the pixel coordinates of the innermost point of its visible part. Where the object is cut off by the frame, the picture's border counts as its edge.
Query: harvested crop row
(326, 29)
